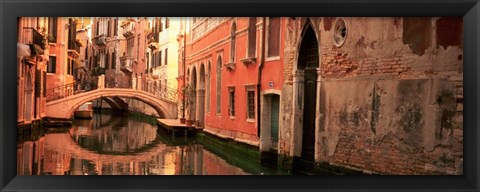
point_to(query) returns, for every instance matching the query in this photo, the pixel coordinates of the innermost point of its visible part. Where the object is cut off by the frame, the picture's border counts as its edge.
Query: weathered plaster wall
(391, 97)
(389, 126)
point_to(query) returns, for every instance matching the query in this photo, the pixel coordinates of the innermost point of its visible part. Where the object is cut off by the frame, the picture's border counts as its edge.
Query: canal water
(126, 144)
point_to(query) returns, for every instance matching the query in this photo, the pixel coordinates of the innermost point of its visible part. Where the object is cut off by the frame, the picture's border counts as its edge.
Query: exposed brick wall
(378, 49)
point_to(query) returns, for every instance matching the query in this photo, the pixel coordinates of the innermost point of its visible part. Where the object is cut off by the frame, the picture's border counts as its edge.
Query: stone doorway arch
(306, 93)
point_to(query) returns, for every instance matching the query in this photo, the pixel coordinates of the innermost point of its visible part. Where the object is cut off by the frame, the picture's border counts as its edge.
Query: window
(138, 47)
(107, 61)
(166, 56)
(44, 84)
(250, 104)
(52, 29)
(232, 42)
(98, 28)
(95, 62)
(38, 80)
(166, 85)
(273, 37)
(159, 59)
(102, 60)
(108, 28)
(69, 66)
(114, 59)
(160, 25)
(152, 60)
(231, 101)
(130, 43)
(252, 36)
(115, 27)
(340, 32)
(219, 85)
(52, 64)
(86, 51)
(167, 22)
(157, 26)
(148, 60)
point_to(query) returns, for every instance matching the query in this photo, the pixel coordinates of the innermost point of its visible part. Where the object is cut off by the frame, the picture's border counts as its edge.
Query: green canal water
(132, 144)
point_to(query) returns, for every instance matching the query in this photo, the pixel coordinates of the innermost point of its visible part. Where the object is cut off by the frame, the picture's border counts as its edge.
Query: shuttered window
(252, 36)
(273, 36)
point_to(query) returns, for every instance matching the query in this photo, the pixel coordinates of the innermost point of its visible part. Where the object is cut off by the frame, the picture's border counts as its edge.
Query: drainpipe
(259, 77)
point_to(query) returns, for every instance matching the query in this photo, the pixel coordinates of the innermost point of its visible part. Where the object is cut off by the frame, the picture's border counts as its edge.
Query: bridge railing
(55, 93)
(163, 92)
(70, 89)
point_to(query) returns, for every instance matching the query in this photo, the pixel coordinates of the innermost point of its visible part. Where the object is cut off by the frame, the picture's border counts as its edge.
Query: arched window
(219, 84)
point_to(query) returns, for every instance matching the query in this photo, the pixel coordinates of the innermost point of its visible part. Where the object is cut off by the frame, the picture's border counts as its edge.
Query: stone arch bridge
(65, 107)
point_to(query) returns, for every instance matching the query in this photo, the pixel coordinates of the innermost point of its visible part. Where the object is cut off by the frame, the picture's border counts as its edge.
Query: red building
(133, 60)
(231, 63)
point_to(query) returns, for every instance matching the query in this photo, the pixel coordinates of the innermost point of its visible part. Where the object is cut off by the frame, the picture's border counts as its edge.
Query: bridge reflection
(111, 145)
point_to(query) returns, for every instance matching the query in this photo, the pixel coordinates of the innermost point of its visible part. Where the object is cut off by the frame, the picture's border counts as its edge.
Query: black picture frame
(11, 9)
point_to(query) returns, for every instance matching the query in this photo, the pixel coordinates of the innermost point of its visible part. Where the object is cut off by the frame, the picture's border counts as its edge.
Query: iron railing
(33, 37)
(163, 92)
(101, 39)
(72, 45)
(70, 89)
(55, 93)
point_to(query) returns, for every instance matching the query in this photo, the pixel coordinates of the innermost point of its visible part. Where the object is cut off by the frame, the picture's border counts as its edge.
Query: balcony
(74, 49)
(128, 28)
(152, 37)
(126, 64)
(101, 39)
(36, 40)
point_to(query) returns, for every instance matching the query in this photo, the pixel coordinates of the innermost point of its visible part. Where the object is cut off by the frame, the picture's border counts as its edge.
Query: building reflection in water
(112, 145)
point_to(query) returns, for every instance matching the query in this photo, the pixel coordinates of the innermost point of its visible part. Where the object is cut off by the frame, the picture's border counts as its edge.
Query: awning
(23, 50)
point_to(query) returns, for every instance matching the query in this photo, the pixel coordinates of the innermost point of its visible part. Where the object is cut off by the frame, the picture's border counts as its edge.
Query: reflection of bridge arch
(64, 144)
(64, 108)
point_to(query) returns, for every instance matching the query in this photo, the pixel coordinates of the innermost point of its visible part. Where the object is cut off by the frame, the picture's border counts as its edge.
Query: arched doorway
(201, 97)
(308, 62)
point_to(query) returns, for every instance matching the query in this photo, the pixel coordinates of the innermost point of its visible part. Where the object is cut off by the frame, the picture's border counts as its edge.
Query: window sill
(232, 117)
(250, 120)
(248, 60)
(230, 66)
(272, 58)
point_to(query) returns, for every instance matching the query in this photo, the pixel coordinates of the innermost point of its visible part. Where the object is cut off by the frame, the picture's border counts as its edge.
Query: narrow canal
(127, 144)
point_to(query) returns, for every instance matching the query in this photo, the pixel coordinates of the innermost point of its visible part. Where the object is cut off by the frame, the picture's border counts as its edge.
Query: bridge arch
(64, 108)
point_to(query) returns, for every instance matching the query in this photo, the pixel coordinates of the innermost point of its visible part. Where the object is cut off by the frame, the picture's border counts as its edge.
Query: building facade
(133, 60)
(107, 49)
(32, 61)
(82, 71)
(64, 51)
(162, 54)
(376, 94)
(371, 94)
(232, 67)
